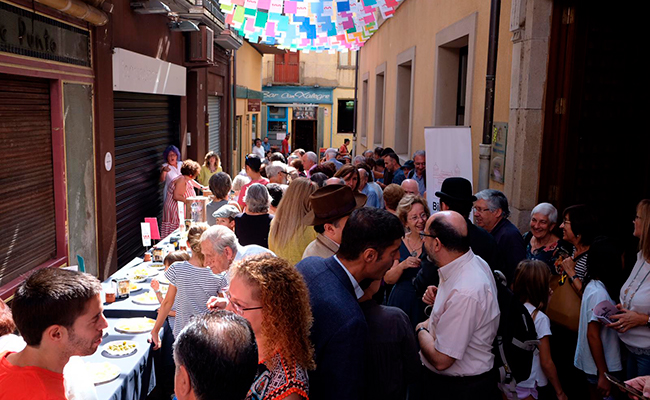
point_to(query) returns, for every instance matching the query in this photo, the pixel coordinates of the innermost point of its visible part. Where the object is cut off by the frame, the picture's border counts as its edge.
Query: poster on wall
(449, 154)
(499, 140)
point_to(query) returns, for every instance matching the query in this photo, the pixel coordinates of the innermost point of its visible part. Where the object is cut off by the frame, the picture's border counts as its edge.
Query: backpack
(516, 341)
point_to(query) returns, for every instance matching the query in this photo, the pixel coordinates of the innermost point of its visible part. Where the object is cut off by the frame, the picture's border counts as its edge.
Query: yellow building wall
(336, 140)
(415, 24)
(249, 75)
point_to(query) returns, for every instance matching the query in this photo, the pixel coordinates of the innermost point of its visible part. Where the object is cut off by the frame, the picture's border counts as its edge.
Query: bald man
(410, 186)
(456, 341)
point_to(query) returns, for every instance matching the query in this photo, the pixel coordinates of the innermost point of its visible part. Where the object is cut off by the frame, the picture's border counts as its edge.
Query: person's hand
(626, 319)
(216, 303)
(155, 285)
(166, 168)
(410, 262)
(155, 339)
(604, 386)
(568, 266)
(642, 384)
(430, 295)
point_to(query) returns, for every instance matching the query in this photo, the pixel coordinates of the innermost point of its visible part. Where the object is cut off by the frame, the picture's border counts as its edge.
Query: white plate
(163, 281)
(102, 372)
(137, 287)
(147, 299)
(120, 348)
(139, 280)
(157, 266)
(135, 325)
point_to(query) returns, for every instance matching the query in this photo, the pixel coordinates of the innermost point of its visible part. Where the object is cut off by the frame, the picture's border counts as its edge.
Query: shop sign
(305, 113)
(137, 73)
(24, 33)
(290, 94)
(254, 105)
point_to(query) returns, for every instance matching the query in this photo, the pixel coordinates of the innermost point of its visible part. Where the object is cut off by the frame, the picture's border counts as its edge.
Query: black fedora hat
(456, 189)
(332, 202)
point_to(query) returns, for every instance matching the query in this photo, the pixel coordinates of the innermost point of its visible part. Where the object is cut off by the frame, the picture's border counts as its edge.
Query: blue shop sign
(293, 94)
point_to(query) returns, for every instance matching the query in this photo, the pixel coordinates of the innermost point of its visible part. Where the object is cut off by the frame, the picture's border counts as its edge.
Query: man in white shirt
(456, 341)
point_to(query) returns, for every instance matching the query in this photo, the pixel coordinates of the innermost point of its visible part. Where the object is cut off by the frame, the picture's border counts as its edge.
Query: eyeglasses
(423, 235)
(481, 210)
(566, 221)
(237, 307)
(416, 218)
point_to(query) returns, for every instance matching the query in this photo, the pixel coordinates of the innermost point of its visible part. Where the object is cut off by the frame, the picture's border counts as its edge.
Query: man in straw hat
(331, 207)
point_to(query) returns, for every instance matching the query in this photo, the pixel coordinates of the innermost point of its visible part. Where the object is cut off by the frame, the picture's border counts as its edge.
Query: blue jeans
(638, 365)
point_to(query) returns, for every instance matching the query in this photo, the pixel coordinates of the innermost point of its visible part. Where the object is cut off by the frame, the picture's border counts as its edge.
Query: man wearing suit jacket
(369, 246)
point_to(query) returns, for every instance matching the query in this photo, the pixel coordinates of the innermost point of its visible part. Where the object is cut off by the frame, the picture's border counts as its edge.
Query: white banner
(449, 154)
(145, 229)
(134, 72)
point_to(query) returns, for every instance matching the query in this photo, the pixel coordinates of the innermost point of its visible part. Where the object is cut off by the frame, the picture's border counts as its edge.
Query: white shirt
(594, 293)
(171, 174)
(465, 316)
(358, 292)
(259, 151)
(638, 337)
(543, 328)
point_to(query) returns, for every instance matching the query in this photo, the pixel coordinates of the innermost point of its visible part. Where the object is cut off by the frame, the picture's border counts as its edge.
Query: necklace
(628, 303)
(414, 252)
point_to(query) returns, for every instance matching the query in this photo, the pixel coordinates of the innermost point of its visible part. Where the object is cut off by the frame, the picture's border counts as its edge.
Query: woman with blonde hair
(211, 165)
(191, 284)
(414, 212)
(290, 233)
(634, 319)
(272, 295)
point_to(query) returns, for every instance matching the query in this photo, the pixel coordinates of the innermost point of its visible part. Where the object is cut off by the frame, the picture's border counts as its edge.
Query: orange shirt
(18, 383)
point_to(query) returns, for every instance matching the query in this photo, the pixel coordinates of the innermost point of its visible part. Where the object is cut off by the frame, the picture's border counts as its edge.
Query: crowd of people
(330, 278)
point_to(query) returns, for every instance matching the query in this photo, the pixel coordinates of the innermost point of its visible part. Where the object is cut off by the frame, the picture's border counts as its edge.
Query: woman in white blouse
(633, 323)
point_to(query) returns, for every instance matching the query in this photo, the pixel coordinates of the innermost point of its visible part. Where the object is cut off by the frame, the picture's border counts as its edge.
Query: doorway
(304, 134)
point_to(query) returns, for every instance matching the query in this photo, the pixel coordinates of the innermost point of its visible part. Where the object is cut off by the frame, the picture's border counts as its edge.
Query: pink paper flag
(264, 4)
(239, 2)
(153, 222)
(229, 19)
(270, 29)
(290, 7)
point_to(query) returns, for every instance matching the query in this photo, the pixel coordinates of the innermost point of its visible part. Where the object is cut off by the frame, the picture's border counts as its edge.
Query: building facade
(561, 75)
(310, 96)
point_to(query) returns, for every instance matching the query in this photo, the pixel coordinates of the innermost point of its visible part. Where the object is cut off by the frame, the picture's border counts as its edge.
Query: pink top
(465, 316)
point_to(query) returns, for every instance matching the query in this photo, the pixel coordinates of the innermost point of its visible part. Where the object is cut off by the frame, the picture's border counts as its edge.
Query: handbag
(564, 305)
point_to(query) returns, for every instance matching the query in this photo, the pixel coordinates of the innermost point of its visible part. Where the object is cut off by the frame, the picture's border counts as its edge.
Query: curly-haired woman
(179, 190)
(273, 297)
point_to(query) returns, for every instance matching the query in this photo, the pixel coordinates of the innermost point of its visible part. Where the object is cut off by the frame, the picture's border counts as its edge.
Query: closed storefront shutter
(145, 125)
(214, 119)
(28, 234)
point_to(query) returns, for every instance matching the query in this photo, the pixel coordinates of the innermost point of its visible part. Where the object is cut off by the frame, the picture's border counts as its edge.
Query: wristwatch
(424, 328)
(573, 278)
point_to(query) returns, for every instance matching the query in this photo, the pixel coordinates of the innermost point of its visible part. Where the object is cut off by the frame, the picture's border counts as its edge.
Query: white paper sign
(181, 215)
(145, 229)
(449, 154)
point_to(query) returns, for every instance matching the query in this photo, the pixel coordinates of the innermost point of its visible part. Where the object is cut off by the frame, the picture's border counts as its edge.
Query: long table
(137, 377)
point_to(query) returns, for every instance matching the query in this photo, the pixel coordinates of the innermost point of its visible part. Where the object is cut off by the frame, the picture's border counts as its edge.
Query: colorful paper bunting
(316, 25)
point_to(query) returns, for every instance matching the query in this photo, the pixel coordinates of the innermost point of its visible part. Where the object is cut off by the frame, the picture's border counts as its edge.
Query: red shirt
(32, 383)
(343, 150)
(244, 188)
(285, 146)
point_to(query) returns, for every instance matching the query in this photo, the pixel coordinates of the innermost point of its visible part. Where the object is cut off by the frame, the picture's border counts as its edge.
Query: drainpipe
(236, 159)
(490, 86)
(354, 117)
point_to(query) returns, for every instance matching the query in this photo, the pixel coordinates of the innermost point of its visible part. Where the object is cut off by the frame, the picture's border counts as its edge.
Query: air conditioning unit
(201, 45)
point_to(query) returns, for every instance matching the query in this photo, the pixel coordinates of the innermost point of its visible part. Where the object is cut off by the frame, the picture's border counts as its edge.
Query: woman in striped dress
(178, 190)
(579, 228)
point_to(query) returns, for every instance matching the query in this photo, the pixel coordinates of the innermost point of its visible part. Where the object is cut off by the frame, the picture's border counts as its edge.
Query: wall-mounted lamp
(183, 26)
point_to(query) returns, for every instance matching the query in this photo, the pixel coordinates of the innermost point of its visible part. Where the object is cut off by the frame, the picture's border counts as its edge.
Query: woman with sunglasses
(273, 297)
(413, 211)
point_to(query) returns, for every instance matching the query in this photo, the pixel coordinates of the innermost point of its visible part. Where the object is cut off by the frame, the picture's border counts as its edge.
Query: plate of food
(141, 274)
(134, 287)
(120, 348)
(163, 280)
(148, 299)
(135, 325)
(157, 266)
(102, 372)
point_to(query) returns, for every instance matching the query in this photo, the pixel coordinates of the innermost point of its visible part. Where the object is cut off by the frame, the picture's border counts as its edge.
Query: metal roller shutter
(145, 125)
(28, 234)
(214, 119)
